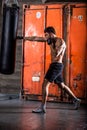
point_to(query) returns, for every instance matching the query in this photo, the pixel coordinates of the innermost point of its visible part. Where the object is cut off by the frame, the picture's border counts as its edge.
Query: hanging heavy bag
(8, 39)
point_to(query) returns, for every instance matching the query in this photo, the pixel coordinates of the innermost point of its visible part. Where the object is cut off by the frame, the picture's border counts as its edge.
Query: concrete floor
(16, 114)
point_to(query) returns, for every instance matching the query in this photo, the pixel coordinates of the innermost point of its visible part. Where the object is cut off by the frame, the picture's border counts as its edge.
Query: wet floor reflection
(19, 116)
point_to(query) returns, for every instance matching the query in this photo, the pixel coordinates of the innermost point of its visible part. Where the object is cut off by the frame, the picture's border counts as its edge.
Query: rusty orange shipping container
(70, 22)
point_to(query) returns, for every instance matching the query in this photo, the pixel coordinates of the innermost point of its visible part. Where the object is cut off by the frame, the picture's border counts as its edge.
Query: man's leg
(42, 108)
(69, 92)
(45, 88)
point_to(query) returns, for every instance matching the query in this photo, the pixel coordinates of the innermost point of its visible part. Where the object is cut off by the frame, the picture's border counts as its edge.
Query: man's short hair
(49, 29)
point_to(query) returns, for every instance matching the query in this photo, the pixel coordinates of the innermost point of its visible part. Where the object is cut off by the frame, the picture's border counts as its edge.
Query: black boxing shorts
(54, 73)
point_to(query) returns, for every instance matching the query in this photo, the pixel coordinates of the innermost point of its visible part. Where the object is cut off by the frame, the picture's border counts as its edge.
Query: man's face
(48, 38)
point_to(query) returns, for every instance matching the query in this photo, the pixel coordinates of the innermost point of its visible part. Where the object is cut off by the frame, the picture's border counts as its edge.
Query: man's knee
(61, 85)
(45, 83)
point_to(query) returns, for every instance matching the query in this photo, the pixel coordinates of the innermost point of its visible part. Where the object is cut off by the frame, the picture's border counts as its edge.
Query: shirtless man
(54, 73)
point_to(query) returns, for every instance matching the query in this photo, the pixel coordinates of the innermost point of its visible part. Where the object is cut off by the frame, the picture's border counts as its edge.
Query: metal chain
(8, 1)
(5, 1)
(16, 2)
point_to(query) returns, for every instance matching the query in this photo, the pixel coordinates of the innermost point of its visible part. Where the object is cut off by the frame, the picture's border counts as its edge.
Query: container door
(36, 55)
(55, 19)
(33, 52)
(78, 43)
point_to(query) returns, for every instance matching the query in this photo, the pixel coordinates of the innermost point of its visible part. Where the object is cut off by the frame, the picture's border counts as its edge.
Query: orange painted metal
(54, 18)
(78, 49)
(33, 64)
(36, 55)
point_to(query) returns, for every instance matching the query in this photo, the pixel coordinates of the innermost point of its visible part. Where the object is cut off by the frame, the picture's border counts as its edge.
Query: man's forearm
(35, 38)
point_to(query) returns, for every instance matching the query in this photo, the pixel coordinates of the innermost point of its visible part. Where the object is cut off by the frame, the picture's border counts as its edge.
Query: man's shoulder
(60, 41)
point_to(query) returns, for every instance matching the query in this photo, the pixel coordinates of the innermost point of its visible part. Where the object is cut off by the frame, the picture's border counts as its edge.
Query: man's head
(50, 33)
(49, 29)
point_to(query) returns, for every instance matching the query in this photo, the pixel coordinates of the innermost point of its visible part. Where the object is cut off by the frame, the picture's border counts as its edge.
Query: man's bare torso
(57, 50)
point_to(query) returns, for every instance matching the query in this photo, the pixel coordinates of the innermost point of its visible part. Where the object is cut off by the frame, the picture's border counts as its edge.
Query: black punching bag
(8, 39)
